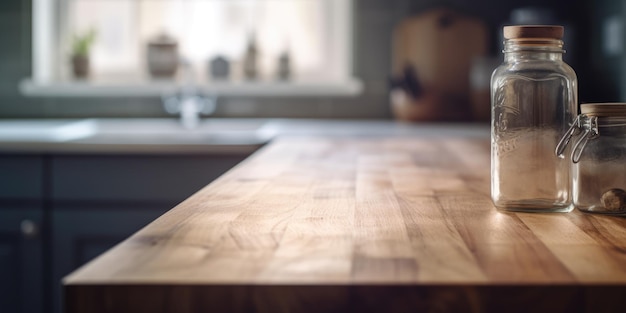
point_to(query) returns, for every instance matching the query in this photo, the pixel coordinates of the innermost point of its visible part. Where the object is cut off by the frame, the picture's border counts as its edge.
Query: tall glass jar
(534, 100)
(599, 157)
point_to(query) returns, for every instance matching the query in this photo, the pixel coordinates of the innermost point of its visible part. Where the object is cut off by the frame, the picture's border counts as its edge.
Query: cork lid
(603, 109)
(533, 31)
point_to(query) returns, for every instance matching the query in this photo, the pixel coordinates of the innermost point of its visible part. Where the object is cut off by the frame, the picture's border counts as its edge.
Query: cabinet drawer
(21, 177)
(135, 178)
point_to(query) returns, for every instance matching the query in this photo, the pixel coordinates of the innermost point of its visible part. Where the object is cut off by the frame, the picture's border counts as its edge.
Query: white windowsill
(150, 88)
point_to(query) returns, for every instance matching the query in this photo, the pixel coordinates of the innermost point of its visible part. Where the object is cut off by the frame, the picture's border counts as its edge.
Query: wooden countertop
(372, 224)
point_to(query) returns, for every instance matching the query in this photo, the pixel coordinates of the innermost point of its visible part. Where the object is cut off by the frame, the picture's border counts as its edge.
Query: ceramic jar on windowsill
(162, 57)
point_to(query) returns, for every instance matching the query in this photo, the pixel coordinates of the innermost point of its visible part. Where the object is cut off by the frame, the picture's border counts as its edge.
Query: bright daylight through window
(302, 40)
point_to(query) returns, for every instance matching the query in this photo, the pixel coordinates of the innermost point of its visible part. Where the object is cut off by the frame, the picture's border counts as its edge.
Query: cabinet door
(21, 265)
(80, 234)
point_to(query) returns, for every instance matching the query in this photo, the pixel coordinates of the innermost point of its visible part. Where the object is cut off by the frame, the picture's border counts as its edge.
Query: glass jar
(534, 100)
(599, 158)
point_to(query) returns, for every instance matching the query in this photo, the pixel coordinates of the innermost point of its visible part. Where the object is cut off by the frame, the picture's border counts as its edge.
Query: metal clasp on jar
(590, 126)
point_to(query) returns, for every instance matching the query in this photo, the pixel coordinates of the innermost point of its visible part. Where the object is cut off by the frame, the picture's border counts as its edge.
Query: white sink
(171, 131)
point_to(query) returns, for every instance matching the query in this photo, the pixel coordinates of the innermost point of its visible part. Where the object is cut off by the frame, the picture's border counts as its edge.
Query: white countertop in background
(212, 136)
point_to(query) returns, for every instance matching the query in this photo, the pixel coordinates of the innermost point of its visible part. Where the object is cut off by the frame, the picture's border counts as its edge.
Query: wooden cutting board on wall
(441, 45)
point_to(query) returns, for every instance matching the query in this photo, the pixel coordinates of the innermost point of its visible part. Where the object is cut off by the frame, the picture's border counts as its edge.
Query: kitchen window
(316, 35)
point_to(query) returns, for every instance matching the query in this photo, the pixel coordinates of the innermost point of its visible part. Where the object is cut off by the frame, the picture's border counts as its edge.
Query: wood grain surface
(398, 224)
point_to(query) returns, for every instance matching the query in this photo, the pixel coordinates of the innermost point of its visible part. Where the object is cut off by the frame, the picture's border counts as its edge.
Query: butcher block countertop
(359, 224)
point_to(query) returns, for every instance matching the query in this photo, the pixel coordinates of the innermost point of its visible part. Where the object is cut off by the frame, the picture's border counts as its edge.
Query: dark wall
(374, 22)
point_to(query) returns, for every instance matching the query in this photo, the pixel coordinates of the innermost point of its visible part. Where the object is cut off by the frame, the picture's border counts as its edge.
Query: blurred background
(64, 62)
(309, 37)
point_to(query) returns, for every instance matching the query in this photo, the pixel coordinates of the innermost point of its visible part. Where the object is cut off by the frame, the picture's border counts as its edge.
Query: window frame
(50, 63)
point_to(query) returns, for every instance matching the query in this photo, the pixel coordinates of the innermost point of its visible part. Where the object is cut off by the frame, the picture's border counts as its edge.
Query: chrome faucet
(190, 106)
(188, 101)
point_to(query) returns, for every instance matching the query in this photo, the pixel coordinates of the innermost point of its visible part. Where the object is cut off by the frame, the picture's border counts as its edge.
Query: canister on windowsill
(598, 137)
(250, 60)
(162, 57)
(219, 68)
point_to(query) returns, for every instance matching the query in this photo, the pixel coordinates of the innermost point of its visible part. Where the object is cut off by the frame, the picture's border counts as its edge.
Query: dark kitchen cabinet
(57, 212)
(99, 200)
(21, 228)
(21, 178)
(129, 179)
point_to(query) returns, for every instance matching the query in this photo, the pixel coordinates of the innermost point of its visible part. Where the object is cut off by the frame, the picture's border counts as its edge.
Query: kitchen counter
(240, 136)
(132, 136)
(370, 223)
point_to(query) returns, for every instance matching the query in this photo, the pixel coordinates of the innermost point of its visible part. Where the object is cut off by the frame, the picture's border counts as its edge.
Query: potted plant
(81, 47)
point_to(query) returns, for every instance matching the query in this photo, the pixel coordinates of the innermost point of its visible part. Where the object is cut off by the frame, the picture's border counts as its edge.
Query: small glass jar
(534, 100)
(599, 158)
